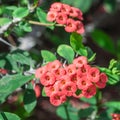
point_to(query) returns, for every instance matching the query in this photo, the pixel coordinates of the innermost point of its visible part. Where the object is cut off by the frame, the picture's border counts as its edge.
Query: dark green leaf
(103, 40)
(84, 113)
(25, 26)
(48, 56)
(77, 45)
(20, 12)
(4, 21)
(10, 83)
(29, 99)
(66, 52)
(43, 92)
(8, 116)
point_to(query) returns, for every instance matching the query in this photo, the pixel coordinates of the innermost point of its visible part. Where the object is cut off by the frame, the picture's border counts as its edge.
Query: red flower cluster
(78, 79)
(115, 116)
(66, 15)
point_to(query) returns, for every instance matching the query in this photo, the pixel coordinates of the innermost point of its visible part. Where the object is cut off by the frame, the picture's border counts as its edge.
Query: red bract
(69, 88)
(71, 69)
(80, 61)
(47, 79)
(89, 92)
(79, 27)
(51, 16)
(57, 98)
(93, 74)
(52, 66)
(83, 83)
(70, 25)
(56, 6)
(115, 116)
(37, 90)
(66, 9)
(40, 71)
(61, 18)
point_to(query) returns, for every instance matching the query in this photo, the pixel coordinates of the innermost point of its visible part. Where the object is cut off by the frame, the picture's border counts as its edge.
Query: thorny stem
(2, 40)
(66, 110)
(44, 24)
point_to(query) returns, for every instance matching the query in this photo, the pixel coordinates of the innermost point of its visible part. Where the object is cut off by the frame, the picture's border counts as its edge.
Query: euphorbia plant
(67, 76)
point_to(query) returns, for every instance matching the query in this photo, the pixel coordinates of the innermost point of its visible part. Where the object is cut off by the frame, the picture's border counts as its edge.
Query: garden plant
(48, 52)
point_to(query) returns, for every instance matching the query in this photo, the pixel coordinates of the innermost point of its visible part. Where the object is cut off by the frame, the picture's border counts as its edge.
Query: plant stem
(66, 110)
(44, 24)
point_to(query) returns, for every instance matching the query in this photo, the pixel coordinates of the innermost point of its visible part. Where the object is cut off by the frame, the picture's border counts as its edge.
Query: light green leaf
(4, 21)
(73, 114)
(20, 12)
(29, 99)
(48, 56)
(8, 116)
(10, 83)
(66, 52)
(103, 40)
(77, 45)
(42, 18)
(113, 104)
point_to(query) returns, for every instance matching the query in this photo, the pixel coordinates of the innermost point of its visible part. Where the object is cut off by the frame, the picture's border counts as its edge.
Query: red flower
(83, 83)
(102, 80)
(66, 9)
(47, 79)
(61, 18)
(89, 92)
(51, 16)
(69, 88)
(75, 12)
(71, 69)
(79, 27)
(70, 25)
(40, 71)
(80, 61)
(93, 74)
(56, 6)
(57, 98)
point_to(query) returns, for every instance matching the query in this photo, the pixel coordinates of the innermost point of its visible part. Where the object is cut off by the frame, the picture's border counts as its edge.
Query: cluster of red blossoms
(115, 116)
(66, 15)
(78, 79)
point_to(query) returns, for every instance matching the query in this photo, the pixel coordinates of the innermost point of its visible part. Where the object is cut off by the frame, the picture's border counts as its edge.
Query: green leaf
(10, 83)
(8, 116)
(89, 100)
(103, 40)
(29, 99)
(62, 113)
(91, 55)
(83, 5)
(42, 18)
(113, 104)
(25, 26)
(2, 63)
(48, 56)
(21, 58)
(20, 12)
(43, 92)
(66, 52)
(112, 78)
(4, 21)
(77, 45)
(84, 113)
